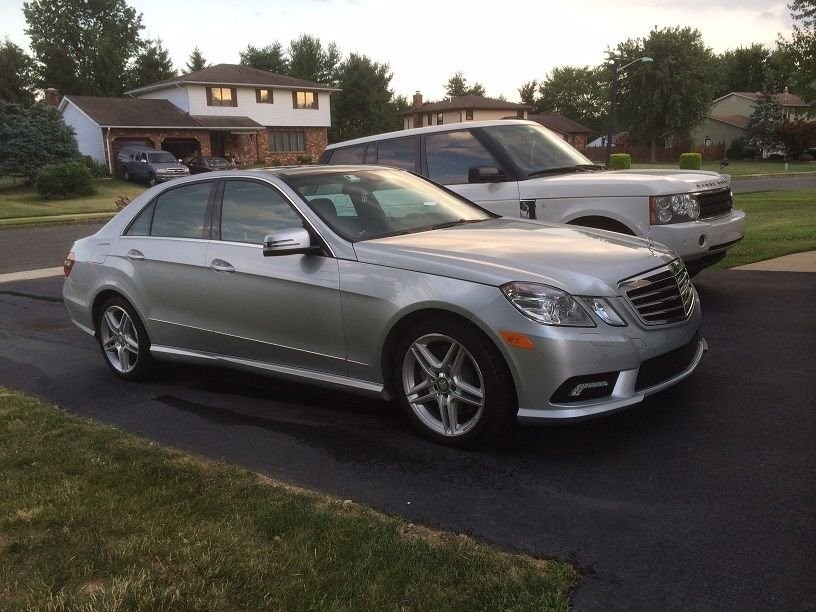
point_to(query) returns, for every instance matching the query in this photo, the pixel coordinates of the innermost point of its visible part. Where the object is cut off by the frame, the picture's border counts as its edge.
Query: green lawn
(92, 518)
(777, 223)
(742, 168)
(20, 202)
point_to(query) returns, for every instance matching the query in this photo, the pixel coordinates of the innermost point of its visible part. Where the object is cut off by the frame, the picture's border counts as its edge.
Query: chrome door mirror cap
(287, 242)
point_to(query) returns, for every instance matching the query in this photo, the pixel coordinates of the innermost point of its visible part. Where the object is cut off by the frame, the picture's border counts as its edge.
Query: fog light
(582, 388)
(579, 389)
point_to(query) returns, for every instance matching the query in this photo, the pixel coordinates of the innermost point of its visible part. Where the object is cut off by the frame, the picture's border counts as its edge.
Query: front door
(282, 310)
(217, 144)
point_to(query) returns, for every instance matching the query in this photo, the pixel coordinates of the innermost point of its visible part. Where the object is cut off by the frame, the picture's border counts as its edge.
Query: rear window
(398, 152)
(348, 155)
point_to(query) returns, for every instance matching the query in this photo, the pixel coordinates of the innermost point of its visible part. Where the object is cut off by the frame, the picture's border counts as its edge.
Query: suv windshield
(366, 204)
(162, 157)
(534, 149)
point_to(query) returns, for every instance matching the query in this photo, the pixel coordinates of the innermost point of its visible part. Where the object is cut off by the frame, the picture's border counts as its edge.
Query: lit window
(221, 96)
(304, 99)
(263, 96)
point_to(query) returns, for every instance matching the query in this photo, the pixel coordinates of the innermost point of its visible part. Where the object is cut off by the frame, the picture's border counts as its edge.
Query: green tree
(742, 69)
(16, 74)
(83, 47)
(365, 105)
(527, 92)
(667, 97)
(799, 53)
(151, 65)
(196, 61)
(457, 85)
(765, 123)
(578, 93)
(271, 58)
(309, 60)
(32, 137)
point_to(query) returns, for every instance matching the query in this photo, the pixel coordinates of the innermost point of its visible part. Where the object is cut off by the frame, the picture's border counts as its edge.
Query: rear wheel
(123, 340)
(125, 173)
(453, 383)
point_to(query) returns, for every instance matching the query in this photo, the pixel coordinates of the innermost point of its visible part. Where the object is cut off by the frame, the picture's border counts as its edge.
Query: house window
(430, 119)
(439, 119)
(468, 114)
(304, 99)
(707, 142)
(287, 140)
(520, 114)
(222, 96)
(263, 96)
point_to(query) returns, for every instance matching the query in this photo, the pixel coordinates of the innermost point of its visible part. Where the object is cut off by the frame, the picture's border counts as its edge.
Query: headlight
(673, 209)
(546, 305)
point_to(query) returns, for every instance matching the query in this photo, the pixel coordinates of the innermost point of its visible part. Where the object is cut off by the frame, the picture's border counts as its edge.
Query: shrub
(620, 161)
(691, 161)
(805, 157)
(98, 169)
(304, 159)
(67, 180)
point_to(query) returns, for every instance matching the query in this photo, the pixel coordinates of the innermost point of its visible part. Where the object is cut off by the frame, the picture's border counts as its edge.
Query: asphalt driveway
(702, 498)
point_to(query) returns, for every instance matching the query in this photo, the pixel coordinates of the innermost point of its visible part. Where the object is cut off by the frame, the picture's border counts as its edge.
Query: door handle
(219, 265)
(134, 255)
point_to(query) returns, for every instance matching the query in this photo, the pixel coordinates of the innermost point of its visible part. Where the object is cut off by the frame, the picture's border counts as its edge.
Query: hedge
(68, 180)
(691, 161)
(620, 161)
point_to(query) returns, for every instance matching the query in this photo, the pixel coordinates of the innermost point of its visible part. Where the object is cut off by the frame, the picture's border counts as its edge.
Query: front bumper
(701, 239)
(641, 359)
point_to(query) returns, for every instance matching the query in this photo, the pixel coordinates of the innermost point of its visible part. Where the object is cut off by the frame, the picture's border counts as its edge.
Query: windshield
(162, 157)
(367, 204)
(218, 162)
(534, 148)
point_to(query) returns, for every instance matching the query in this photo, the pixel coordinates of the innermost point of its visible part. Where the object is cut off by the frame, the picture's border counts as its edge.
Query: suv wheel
(151, 180)
(125, 173)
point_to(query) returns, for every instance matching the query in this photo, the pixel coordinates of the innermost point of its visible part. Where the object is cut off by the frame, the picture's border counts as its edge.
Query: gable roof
(139, 112)
(233, 74)
(740, 121)
(465, 102)
(561, 124)
(783, 99)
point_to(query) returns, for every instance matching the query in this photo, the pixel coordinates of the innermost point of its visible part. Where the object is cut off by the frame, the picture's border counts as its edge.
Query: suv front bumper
(705, 239)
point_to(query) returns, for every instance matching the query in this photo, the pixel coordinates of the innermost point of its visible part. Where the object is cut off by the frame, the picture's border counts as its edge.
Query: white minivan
(520, 168)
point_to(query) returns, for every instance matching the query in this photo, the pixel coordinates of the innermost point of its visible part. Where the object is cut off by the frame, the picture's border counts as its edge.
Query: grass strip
(741, 168)
(777, 223)
(92, 518)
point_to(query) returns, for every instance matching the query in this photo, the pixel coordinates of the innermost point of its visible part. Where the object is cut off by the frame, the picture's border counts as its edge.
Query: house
(571, 131)
(225, 109)
(729, 115)
(460, 109)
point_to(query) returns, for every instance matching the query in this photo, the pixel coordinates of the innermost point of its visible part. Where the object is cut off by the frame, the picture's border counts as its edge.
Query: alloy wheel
(119, 339)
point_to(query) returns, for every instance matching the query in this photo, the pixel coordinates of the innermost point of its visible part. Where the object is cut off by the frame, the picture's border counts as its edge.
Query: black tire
(480, 368)
(123, 340)
(151, 180)
(125, 173)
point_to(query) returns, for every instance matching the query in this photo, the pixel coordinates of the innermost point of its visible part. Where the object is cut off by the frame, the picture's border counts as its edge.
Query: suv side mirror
(288, 241)
(484, 174)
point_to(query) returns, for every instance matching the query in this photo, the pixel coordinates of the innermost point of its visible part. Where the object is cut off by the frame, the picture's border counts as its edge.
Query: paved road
(701, 499)
(32, 248)
(772, 184)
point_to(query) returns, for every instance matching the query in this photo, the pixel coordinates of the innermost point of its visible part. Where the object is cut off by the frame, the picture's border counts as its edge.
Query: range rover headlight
(546, 305)
(676, 208)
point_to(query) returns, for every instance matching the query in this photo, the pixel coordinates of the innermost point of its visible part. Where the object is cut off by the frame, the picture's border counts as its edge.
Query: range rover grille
(661, 296)
(715, 203)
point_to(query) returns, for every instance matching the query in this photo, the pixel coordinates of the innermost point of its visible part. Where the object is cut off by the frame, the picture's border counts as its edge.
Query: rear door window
(348, 155)
(182, 212)
(399, 152)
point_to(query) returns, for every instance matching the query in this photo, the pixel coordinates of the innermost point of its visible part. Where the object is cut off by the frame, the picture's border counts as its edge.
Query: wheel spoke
(467, 393)
(448, 424)
(131, 344)
(110, 320)
(423, 384)
(109, 344)
(423, 398)
(124, 358)
(425, 359)
(454, 350)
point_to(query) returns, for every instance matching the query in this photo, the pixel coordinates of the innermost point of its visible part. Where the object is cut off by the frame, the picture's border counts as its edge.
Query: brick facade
(316, 140)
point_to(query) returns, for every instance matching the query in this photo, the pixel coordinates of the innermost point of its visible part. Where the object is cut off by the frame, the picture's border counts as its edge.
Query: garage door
(182, 148)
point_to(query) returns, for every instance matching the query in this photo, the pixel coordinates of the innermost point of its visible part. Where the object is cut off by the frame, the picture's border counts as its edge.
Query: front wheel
(454, 384)
(123, 340)
(151, 180)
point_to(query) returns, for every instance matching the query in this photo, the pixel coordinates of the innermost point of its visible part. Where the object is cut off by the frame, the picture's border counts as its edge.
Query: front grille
(174, 171)
(661, 296)
(715, 203)
(659, 369)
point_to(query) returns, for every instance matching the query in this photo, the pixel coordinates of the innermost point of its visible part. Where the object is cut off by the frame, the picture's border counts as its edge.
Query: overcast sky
(500, 44)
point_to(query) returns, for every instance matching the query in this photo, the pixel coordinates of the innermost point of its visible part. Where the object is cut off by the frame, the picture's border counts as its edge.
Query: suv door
(281, 310)
(449, 156)
(163, 254)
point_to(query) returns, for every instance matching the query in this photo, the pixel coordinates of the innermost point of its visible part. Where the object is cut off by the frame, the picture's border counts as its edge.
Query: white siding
(278, 114)
(176, 95)
(88, 133)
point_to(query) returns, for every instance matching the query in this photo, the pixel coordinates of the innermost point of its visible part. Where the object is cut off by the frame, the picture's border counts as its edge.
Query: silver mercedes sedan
(377, 281)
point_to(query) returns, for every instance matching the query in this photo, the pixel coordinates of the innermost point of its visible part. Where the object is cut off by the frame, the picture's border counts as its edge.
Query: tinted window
(250, 211)
(399, 153)
(534, 148)
(451, 154)
(140, 226)
(348, 155)
(181, 212)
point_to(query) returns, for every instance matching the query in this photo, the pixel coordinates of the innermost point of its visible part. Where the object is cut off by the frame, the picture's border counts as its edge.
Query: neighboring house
(619, 139)
(730, 113)
(459, 110)
(571, 131)
(222, 110)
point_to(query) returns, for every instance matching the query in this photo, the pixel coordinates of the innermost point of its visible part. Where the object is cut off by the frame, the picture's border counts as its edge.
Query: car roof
(430, 130)
(286, 171)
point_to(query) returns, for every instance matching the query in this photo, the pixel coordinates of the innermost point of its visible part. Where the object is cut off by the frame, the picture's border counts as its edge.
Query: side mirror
(180, 161)
(484, 174)
(288, 241)
(144, 161)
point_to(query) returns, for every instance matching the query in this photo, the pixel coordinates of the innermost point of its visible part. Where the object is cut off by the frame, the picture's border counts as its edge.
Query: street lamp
(615, 71)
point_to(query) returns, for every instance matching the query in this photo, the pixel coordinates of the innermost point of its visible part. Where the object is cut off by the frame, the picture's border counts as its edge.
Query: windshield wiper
(455, 223)
(567, 169)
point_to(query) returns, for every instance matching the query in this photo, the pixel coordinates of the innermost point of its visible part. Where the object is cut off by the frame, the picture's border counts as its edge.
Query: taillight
(68, 264)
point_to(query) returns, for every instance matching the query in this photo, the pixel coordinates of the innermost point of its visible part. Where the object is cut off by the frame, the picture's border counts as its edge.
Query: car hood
(621, 183)
(577, 260)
